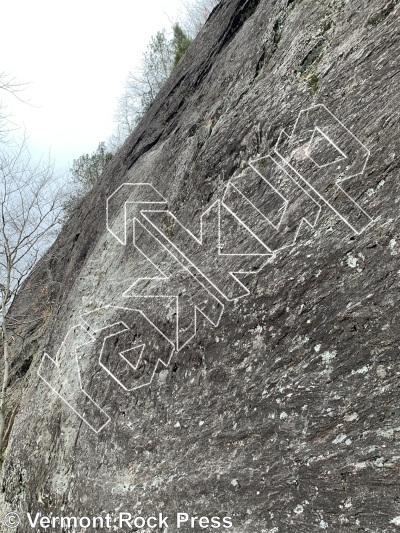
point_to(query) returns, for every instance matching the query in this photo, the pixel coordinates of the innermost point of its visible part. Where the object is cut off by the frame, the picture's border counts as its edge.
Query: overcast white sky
(76, 55)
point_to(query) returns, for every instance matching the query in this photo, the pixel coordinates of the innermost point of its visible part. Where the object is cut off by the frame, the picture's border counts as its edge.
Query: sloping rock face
(172, 385)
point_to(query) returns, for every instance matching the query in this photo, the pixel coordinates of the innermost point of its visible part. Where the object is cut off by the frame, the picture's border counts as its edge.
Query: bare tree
(195, 14)
(146, 80)
(142, 85)
(11, 86)
(162, 55)
(126, 117)
(30, 207)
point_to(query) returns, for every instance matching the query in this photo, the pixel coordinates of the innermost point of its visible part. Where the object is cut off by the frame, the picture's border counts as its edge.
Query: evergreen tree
(87, 169)
(180, 43)
(85, 172)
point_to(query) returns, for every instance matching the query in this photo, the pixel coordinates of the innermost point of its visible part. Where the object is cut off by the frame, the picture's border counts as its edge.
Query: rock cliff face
(271, 396)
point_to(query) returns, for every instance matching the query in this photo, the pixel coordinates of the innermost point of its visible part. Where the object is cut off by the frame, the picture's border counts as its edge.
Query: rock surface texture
(280, 406)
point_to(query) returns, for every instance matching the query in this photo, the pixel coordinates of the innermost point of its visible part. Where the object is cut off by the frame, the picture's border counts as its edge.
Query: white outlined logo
(262, 211)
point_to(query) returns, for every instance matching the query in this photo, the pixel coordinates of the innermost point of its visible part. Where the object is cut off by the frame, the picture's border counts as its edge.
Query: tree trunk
(6, 368)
